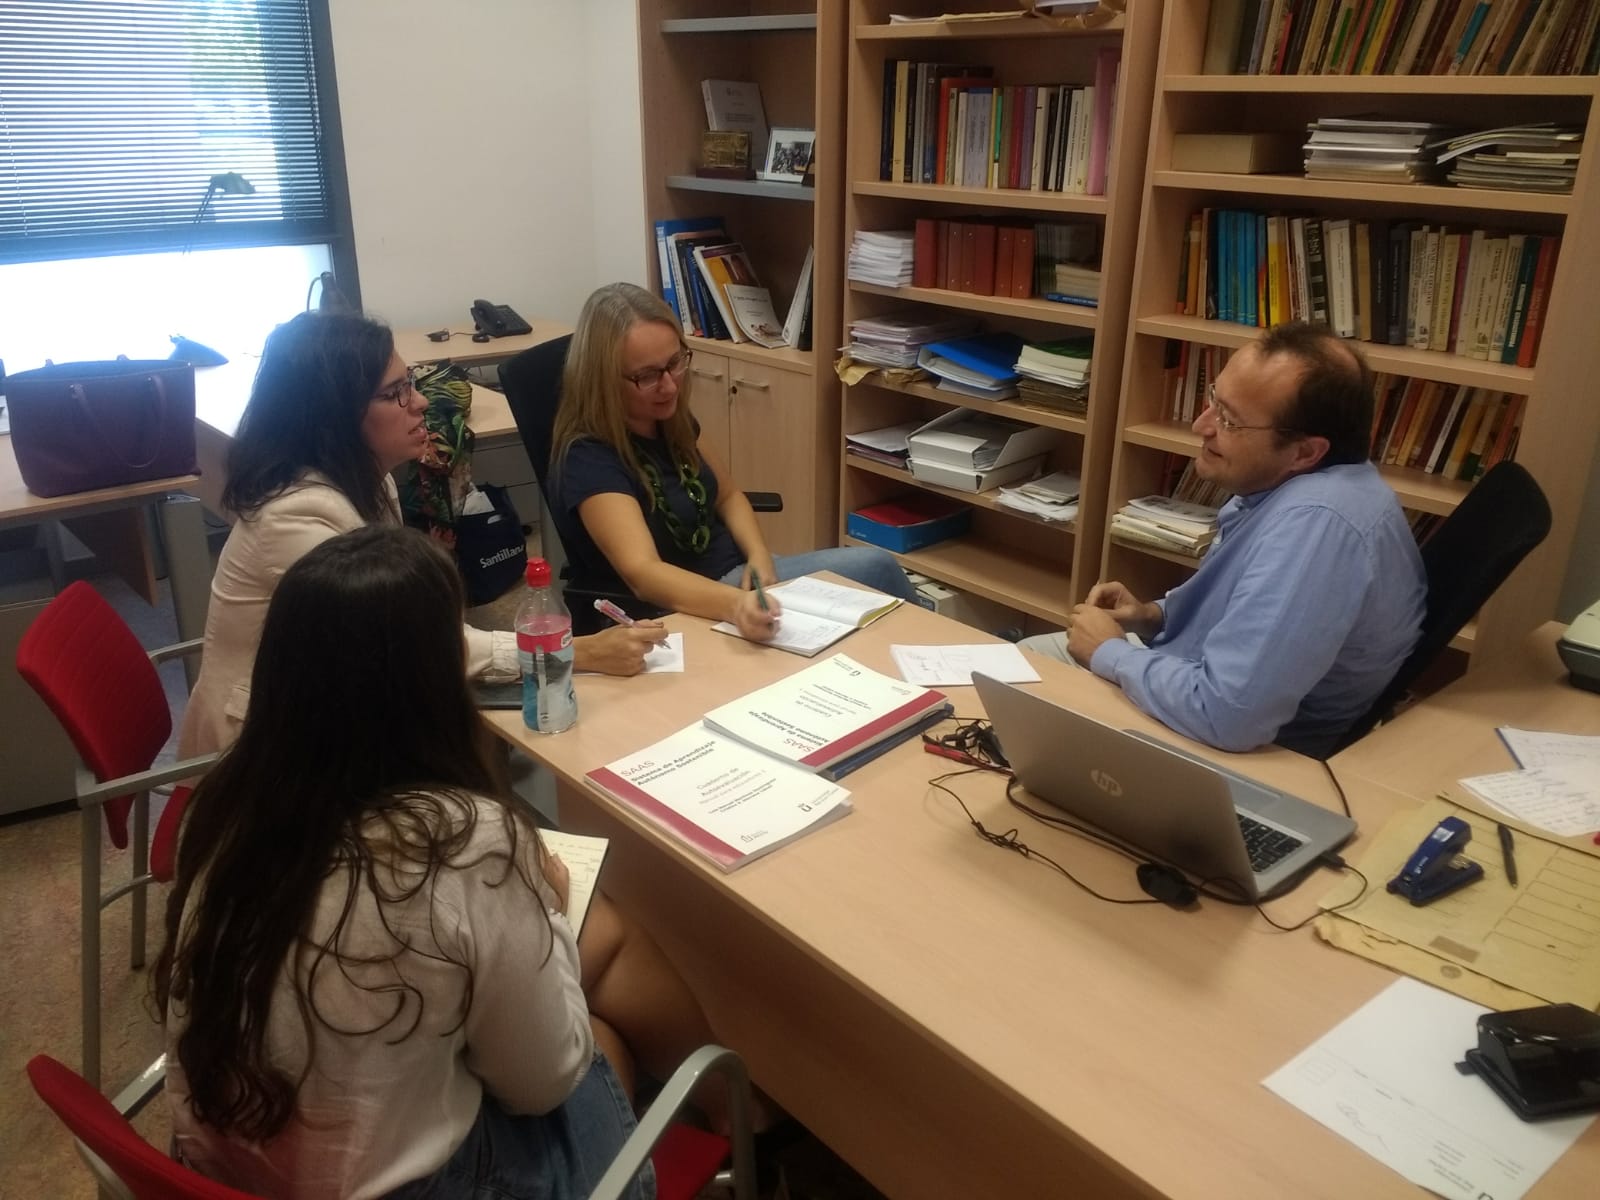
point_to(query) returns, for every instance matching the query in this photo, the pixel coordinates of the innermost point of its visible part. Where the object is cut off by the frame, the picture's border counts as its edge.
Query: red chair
(104, 689)
(686, 1159)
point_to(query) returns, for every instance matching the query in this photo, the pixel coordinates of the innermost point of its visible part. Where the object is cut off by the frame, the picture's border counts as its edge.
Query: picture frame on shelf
(788, 155)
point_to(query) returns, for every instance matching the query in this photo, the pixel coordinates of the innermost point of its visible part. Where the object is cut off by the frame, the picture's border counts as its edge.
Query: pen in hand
(607, 609)
(1507, 852)
(761, 596)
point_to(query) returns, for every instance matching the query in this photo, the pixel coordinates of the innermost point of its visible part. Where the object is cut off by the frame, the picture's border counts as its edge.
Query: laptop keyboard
(1267, 846)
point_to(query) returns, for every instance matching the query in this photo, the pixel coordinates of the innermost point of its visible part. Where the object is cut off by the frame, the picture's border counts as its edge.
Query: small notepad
(582, 856)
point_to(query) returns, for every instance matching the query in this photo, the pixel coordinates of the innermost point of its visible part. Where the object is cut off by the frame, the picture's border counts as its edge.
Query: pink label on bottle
(548, 642)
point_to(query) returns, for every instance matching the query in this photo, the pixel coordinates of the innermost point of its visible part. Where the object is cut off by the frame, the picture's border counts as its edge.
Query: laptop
(1156, 798)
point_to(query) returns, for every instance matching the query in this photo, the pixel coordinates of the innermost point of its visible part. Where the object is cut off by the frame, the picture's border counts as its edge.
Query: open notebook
(816, 614)
(582, 856)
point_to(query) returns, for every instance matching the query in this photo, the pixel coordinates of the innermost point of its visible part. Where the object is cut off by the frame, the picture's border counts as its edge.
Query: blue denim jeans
(559, 1156)
(866, 565)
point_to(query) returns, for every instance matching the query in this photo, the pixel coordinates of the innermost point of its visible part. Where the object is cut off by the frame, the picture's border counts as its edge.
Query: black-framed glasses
(650, 378)
(1226, 422)
(401, 390)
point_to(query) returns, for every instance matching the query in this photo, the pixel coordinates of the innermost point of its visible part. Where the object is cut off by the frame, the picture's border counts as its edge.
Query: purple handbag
(80, 426)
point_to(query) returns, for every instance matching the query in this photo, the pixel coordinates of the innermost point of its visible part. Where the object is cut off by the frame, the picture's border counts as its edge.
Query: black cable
(1334, 779)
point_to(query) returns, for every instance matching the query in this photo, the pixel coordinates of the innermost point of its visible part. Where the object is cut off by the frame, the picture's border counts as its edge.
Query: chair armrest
(177, 650)
(765, 501)
(91, 791)
(636, 1150)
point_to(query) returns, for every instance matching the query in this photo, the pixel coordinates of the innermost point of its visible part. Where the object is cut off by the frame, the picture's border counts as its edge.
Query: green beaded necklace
(692, 542)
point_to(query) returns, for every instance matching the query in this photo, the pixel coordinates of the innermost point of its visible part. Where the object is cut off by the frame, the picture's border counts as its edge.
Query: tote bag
(76, 427)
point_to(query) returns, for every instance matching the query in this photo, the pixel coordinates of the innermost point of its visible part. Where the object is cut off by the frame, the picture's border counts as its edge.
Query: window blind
(116, 115)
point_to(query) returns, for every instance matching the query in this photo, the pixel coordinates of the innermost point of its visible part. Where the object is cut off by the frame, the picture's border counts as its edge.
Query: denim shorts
(559, 1156)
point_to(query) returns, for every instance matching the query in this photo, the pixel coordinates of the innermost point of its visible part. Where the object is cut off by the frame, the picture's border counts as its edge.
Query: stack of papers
(942, 666)
(1076, 283)
(1053, 497)
(1176, 525)
(1558, 787)
(894, 339)
(882, 257)
(1056, 374)
(1372, 149)
(1523, 158)
(887, 445)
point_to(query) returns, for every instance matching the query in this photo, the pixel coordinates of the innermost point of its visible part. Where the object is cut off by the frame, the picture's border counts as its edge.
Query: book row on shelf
(1053, 260)
(1474, 292)
(954, 124)
(1453, 430)
(710, 282)
(1403, 37)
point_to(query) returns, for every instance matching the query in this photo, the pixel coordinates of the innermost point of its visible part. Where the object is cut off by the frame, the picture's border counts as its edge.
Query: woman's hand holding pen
(756, 614)
(619, 650)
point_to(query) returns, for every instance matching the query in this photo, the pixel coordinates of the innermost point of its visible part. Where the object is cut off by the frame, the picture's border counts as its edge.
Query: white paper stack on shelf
(893, 339)
(1056, 374)
(964, 380)
(1176, 525)
(1370, 148)
(1077, 282)
(1053, 497)
(882, 257)
(1523, 158)
(887, 445)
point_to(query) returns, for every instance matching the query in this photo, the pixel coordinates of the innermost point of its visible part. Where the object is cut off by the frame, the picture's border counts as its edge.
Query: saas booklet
(817, 614)
(831, 717)
(726, 801)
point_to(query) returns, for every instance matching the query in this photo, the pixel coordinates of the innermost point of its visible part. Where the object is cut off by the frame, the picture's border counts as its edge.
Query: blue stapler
(1436, 867)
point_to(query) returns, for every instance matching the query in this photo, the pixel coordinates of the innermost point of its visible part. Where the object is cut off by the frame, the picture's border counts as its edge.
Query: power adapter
(1166, 885)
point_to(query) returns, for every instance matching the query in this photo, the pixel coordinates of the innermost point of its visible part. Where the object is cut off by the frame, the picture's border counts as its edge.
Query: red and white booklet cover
(829, 712)
(728, 802)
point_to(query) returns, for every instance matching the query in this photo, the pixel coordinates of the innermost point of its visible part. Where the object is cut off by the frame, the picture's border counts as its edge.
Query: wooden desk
(959, 1022)
(413, 344)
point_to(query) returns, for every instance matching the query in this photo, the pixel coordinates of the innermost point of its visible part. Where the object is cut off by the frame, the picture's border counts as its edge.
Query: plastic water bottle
(544, 651)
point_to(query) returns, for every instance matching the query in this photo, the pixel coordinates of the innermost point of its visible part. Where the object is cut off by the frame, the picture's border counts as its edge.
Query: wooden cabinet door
(708, 397)
(773, 448)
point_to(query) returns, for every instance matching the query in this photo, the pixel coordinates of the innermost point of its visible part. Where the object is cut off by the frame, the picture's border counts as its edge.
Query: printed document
(1384, 1079)
(1563, 797)
(1534, 749)
(816, 614)
(582, 856)
(938, 666)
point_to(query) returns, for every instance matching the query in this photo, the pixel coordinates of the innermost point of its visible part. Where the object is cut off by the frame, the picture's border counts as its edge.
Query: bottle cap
(538, 573)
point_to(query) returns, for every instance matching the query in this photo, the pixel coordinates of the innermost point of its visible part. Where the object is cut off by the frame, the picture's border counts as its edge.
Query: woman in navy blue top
(639, 492)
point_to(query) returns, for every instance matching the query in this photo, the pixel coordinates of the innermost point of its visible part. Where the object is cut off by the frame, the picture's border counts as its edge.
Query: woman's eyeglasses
(400, 391)
(650, 379)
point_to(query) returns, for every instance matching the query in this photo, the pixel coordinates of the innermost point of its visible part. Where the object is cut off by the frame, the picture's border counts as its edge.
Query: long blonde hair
(593, 399)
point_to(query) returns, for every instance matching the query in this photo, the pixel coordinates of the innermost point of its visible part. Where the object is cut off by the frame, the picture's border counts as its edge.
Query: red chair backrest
(148, 1174)
(90, 670)
(686, 1159)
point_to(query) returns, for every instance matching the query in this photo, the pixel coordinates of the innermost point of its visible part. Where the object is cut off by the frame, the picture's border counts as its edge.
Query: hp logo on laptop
(1105, 782)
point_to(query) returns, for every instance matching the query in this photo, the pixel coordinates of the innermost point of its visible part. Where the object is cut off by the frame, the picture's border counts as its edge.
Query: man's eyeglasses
(400, 391)
(1225, 420)
(650, 378)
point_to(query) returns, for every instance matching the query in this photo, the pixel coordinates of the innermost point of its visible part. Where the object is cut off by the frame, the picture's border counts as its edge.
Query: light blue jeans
(866, 565)
(559, 1156)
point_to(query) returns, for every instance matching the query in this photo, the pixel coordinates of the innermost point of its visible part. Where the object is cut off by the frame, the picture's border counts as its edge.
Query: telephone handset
(498, 320)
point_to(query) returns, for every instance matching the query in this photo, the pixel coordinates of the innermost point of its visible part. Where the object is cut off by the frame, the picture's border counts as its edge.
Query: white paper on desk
(935, 666)
(1385, 1080)
(1564, 799)
(667, 658)
(1532, 748)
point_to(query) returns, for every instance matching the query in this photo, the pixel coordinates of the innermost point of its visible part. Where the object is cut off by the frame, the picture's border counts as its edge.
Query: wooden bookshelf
(1037, 567)
(1562, 419)
(749, 399)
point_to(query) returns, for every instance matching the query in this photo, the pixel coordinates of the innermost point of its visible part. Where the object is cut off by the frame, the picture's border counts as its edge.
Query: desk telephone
(498, 320)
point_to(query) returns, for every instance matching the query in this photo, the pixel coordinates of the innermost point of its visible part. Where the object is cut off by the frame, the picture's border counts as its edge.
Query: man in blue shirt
(1312, 594)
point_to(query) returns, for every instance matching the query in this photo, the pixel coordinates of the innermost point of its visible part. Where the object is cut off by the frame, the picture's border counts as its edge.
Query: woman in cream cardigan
(332, 412)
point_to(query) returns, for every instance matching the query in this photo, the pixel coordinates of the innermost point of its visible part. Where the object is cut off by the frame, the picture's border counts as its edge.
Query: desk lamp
(229, 183)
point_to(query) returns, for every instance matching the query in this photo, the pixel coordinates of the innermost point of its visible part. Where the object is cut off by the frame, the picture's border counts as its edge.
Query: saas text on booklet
(831, 713)
(727, 801)
(817, 614)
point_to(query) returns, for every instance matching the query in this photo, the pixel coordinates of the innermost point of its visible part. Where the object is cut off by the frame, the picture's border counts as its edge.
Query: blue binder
(991, 354)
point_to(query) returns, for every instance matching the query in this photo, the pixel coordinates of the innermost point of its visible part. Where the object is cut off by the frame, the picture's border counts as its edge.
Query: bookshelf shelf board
(1014, 28)
(775, 23)
(744, 187)
(785, 357)
(1033, 310)
(994, 572)
(1172, 437)
(1065, 422)
(1423, 492)
(989, 500)
(1396, 360)
(1385, 85)
(1324, 192)
(1171, 556)
(969, 197)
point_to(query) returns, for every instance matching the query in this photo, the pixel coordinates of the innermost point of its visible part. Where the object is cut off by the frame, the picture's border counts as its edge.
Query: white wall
(493, 150)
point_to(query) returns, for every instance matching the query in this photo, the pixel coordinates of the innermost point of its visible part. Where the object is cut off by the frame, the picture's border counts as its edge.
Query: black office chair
(1467, 558)
(532, 385)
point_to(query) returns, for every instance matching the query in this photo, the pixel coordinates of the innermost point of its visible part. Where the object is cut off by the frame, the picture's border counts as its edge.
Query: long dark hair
(354, 770)
(318, 373)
